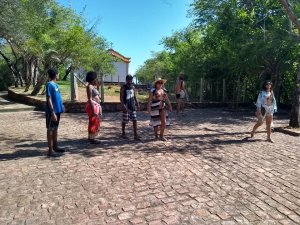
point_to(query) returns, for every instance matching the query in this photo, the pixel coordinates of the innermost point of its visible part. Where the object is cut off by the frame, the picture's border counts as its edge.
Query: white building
(121, 68)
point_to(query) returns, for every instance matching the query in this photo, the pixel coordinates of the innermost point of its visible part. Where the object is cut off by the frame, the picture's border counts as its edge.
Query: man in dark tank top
(129, 105)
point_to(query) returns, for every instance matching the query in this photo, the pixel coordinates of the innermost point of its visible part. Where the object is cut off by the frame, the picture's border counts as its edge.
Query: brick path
(208, 173)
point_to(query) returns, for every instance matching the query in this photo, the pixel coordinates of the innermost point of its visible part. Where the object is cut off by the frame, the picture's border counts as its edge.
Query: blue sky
(135, 27)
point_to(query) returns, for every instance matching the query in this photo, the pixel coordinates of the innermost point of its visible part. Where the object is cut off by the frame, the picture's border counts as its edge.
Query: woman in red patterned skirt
(93, 108)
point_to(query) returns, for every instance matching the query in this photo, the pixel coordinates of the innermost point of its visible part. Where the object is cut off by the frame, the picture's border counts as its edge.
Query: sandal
(270, 140)
(252, 134)
(124, 136)
(163, 139)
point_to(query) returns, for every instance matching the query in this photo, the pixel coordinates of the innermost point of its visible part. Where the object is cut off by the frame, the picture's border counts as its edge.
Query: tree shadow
(207, 144)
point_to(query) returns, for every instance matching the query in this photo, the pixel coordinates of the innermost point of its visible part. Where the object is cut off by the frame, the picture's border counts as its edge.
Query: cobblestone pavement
(207, 173)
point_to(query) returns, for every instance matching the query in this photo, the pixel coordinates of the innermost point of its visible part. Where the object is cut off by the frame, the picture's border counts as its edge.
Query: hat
(159, 79)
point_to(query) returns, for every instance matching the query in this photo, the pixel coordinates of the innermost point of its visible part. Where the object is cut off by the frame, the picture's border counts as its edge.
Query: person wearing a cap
(158, 105)
(129, 105)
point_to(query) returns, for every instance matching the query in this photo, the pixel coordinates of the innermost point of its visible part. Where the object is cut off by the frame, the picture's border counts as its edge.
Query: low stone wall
(79, 107)
(26, 99)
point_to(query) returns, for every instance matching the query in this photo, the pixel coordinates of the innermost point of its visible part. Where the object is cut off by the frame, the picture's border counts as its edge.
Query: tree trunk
(41, 80)
(28, 74)
(15, 64)
(292, 16)
(34, 79)
(12, 69)
(276, 79)
(20, 80)
(67, 73)
(295, 112)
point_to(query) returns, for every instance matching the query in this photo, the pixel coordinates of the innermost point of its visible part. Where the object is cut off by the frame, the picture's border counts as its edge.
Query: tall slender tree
(295, 112)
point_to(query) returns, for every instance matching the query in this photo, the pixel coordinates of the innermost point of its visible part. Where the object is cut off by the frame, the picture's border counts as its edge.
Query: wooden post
(238, 91)
(244, 90)
(224, 90)
(217, 90)
(211, 90)
(74, 88)
(201, 89)
(102, 88)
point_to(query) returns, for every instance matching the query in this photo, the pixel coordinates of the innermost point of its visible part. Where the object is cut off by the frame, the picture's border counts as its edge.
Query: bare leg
(257, 125)
(182, 105)
(162, 123)
(50, 141)
(156, 132)
(123, 128)
(135, 129)
(54, 136)
(178, 107)
(268, 123)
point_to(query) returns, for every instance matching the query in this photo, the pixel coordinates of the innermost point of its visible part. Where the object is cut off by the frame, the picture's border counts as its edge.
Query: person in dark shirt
(129, 105)
(54, 108)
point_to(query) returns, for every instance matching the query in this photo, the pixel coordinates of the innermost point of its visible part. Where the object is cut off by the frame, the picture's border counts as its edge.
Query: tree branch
(290, 13)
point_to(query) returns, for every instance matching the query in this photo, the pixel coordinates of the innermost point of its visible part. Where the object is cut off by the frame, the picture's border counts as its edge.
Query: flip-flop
(163, 139)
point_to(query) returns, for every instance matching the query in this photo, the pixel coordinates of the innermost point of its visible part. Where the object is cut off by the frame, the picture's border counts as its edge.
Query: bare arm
(89, 89)
(122, 99)
(136, 100)
(168, 102)
(184, 88)
(50, 104)
(149, 101)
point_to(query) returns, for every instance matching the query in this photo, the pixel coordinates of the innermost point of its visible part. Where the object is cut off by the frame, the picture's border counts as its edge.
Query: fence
(201, 90)
(218, 90)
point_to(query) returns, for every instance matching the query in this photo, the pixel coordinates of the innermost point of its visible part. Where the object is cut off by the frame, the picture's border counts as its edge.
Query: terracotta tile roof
(119, 56)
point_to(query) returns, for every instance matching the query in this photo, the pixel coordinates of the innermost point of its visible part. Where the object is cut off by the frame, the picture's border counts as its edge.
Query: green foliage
(43, 34)
(5, 78)
(235, 40)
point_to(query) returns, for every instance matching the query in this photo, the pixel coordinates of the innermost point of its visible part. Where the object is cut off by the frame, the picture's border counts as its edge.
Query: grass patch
(65, 90)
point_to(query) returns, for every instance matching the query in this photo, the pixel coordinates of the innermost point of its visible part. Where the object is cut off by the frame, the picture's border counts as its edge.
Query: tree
(295, 112)
(40, 34)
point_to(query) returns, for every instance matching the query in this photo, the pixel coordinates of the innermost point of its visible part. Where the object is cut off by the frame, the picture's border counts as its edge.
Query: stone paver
(208, 173)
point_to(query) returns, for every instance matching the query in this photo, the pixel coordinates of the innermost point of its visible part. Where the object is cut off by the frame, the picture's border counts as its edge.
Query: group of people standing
(158, 107)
